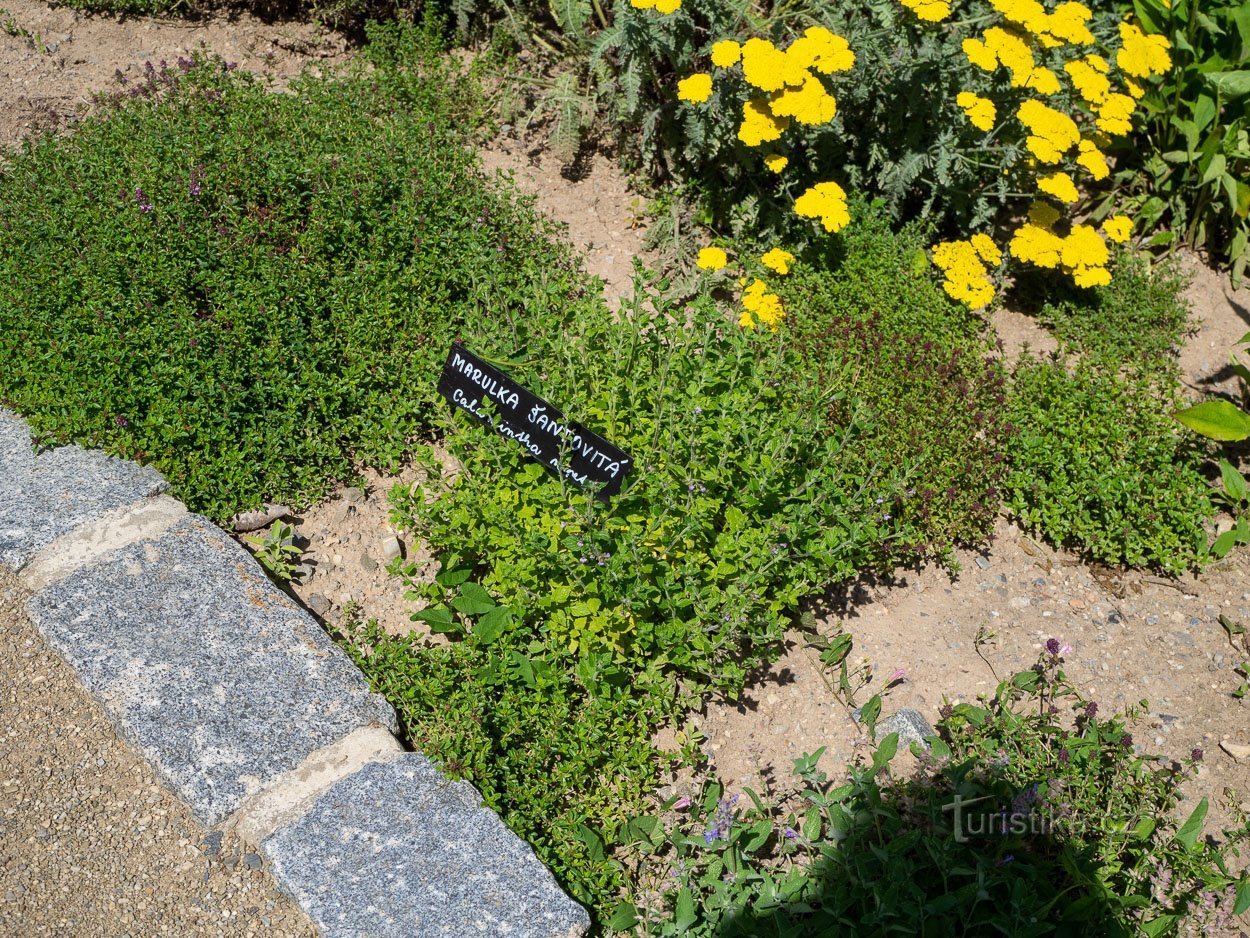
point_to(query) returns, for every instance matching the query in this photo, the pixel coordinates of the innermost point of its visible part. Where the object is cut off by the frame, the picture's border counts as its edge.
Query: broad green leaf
(812, 823)
(1219, 420)
(1223, 544)
(1158, 926)
(1215, 168)
(869, 712)
(473, 600)
(1145, 827)
(685, 915)
(1243, 898)
(1204, 111)
(1234, 481)
(1230, 84)
(1025, 680)
(449, 578)
(1188, 834)
(624, 917)
(885, 752)
(593, 842)
(439, 619)
(493, 624)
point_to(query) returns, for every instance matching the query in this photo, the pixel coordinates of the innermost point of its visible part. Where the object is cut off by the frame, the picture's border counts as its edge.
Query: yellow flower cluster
(934, 11)
(696, 88)
(660, 6)
(1092, 160)
(981, 111)
(712, 259)
(1065, 25)
(759, 125)
(1082, 254)
(1010, 50)
(793, 91)
(826, 201)
(1118, 228)
(778, 260)
(788, 87)
(1060, 186)
(1051, 133)
(1140, 55)
(776, 162)
(760, 306)
(964, 264)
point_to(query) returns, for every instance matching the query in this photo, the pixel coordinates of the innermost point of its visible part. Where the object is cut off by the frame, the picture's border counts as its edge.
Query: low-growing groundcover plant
(1029, 814)
(866, 432)
(1137, 320)
(1100, 466)
(766, 468)
(252, 290)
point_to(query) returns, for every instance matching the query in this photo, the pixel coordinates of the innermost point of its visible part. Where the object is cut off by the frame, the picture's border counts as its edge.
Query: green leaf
(1234, 481)
(490, 626)
(624, 917)
(1243, 898)
(449, 578)
(1219, 420)
(869, 712)
(1230, 84)
(1158, 926)
(1223, 544)
(885, 752)
(1215, 169)
(593, 842)
(473, 600)
(439, 619)
(1025, 680)
(685, 914)
(1188, 834)
(812, 822)
(1145, 827)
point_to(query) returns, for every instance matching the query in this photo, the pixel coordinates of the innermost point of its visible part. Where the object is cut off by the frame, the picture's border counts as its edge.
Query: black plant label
(564, 447)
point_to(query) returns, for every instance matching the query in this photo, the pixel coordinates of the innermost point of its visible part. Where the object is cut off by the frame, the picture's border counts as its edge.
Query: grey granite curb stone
(396, 850)
(219, 678)
(250, 713)
(45, 496)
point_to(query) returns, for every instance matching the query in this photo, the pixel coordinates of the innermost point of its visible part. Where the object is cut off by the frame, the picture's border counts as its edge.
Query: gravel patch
(90, 843)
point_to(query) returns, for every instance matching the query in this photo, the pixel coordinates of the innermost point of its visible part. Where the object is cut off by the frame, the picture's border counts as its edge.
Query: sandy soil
(54, 59)
(91, 844)
(603, 216)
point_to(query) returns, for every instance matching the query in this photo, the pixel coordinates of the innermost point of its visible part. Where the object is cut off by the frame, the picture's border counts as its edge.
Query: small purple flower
(1196, 755)
(681, 804)
(1004, 860)
(121, 421)
(790, 834)
(142, 200)
(1091, 710)
(899, 674)
(722, 822)
(1052, 647)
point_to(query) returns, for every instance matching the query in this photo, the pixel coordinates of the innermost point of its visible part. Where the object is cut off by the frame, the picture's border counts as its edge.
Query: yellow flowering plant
(1027, 99)
(1054, 85)
(1185, 173)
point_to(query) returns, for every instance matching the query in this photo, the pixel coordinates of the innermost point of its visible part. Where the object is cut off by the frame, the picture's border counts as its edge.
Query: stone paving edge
(250, 713)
